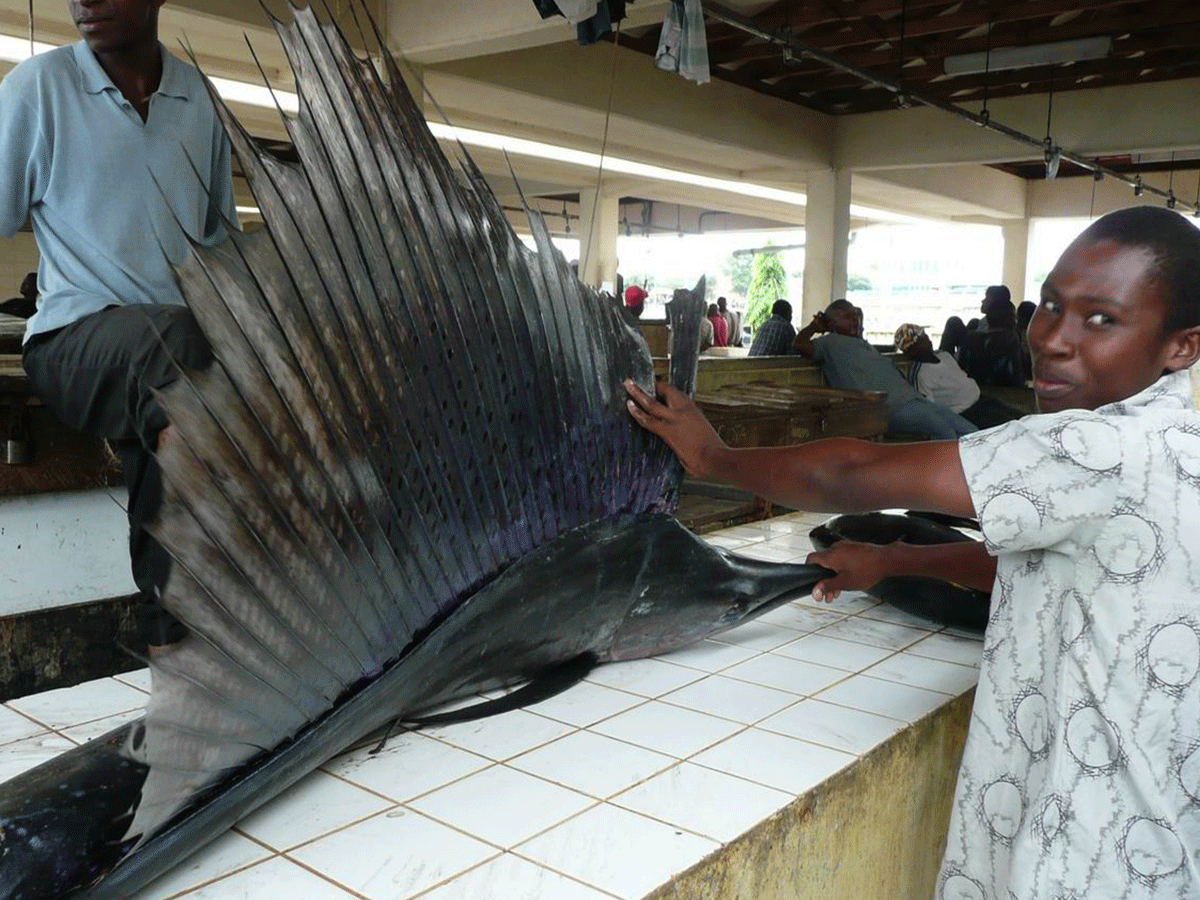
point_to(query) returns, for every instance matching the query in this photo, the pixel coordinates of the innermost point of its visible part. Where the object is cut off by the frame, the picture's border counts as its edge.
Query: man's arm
(804, 343)
(24, 156)
(833, 475)
(860, 567)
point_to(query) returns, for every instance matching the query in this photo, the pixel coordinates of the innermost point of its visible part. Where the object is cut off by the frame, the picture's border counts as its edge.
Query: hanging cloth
(683, 47)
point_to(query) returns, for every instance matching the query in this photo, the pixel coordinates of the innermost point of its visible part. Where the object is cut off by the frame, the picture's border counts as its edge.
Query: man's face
(1097, 336)
(112, 26)
(842, 321)
(922, 346)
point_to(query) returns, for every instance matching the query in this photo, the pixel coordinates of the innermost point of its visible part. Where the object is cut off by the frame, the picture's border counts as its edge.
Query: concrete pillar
(1016, 254)
(599, 223)
(826, 240)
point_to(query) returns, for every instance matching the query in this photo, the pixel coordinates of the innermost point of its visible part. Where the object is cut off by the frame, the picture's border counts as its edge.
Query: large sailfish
(408, 478)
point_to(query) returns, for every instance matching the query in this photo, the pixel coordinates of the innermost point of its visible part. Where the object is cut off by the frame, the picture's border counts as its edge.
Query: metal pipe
(795, 49)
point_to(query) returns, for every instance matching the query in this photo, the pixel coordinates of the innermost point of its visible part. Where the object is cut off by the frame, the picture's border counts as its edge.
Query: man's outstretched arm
(832, 475)
(860, 567)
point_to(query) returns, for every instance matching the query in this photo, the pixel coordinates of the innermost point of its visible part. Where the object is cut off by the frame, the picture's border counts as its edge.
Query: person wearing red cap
(635, 300)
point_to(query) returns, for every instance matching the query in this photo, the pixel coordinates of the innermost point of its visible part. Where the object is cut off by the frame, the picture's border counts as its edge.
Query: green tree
(858, 283)
(737, 272)
(768, 284)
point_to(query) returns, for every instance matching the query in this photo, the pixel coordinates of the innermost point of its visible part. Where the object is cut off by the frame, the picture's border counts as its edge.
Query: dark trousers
(98, 375)
(988, 412)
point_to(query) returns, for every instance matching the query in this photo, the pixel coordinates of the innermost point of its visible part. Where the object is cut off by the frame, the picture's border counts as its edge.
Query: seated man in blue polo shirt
(850, 363)
(101, 142)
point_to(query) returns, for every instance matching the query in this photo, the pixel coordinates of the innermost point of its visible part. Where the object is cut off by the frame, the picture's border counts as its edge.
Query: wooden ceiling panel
(911, 39)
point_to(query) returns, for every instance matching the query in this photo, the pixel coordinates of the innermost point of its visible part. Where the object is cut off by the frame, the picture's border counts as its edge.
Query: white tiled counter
(647, 770)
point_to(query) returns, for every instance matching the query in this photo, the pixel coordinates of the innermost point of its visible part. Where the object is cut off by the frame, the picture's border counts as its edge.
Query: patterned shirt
(1081, 775)
(775, 338)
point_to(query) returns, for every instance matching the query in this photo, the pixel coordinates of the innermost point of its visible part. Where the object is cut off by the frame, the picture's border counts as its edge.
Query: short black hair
(998, 292)
(783, 309)
(841, 305)
(1173, 241)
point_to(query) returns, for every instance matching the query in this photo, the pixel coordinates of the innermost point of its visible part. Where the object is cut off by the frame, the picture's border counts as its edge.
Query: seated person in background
(25, 306)
(1024, 313)
(938, 378)
(776, 336)
(953, 334)
(991, 354)
(849, 362)
(733, 322)
(720, 328)
(860, 319)
(635, 300)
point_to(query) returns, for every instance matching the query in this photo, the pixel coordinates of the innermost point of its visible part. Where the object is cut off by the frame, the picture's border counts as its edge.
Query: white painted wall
(62, 549)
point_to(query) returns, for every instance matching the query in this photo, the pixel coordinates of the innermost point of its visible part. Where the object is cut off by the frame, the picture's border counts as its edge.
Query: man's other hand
(679, 422)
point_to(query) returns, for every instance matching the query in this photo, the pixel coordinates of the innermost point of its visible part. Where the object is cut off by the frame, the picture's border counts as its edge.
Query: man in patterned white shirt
(1081, 774)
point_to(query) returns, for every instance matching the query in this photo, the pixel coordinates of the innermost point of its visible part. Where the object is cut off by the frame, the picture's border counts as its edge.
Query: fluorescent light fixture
(539, 150)
(255, 94)
(1024, 57)
(14, 49)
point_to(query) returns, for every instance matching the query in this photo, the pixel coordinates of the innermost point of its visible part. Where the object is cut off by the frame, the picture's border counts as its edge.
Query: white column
(599, 223)
(1016, 253)
(826, 240)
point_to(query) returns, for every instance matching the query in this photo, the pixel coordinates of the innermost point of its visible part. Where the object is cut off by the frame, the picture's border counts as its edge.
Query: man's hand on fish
(859, 567)
(679, 422)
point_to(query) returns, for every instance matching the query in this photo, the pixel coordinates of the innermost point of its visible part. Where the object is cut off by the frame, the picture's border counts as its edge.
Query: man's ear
(1185, 349)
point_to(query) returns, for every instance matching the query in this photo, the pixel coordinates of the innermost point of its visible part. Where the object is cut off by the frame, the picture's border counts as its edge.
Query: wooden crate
(764, 414)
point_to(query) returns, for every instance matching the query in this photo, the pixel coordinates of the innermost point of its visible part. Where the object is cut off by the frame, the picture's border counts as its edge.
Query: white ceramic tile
(801, 618)
(316, 805)
(138, 678)
(275, 878)
(876, 634)
(502, 806)
(766, 554)
(966, 633)
(592, 763)
(503, 736)
(710, 656)
(789, 540)
(586, 703)
(89, 731)
(394, 855)
(950, 648)
(85, 702)
(667, 729)
(884, 698)
(228, 853)
(795, 523)
(931, 674)
(710, 803)
(15, 727)
(785, 674)
(727, 543)
(849, 603)
(411, 764)
(618, 851)
(19, 756)
(846, 729)
(829, 651)
(754, 531)
(774, 760)
(520, 880)
(885, 612)
(645, 677)
(730, 699)
(757, 635)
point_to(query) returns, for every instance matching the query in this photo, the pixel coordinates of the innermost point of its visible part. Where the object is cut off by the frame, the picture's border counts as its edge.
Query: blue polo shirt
(113, 199)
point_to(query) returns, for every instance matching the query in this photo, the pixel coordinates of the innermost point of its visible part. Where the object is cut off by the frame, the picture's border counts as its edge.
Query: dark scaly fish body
(930, 598)
(409, 476)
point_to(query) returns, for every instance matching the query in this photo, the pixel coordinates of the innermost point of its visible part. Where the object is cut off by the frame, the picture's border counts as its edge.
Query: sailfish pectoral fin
(548, 684)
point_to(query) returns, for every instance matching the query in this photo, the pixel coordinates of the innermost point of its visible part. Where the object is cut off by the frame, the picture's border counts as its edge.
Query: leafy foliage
(768, 284)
